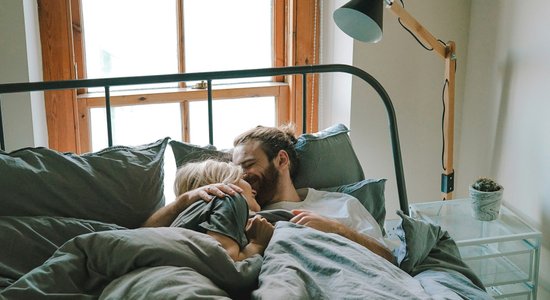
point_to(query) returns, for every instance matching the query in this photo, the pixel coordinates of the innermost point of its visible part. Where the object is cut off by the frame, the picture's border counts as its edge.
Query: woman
(226, 219)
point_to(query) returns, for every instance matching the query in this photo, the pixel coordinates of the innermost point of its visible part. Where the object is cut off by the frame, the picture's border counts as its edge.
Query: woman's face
(249, 194)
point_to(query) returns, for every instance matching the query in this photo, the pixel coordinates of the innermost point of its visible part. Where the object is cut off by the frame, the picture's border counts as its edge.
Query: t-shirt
(342, 207)
(227, 216)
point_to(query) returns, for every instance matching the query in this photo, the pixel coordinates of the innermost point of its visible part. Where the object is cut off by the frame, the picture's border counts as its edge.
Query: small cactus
(484, 184)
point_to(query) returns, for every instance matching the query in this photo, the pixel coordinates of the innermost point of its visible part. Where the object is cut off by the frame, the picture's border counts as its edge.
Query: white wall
(335, 88)
(505, 125)
(23, 114)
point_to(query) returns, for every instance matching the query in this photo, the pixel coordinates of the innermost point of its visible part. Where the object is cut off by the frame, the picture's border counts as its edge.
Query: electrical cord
(445, 85)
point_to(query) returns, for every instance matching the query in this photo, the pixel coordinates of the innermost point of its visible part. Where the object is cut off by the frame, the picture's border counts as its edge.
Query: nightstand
(504, 253)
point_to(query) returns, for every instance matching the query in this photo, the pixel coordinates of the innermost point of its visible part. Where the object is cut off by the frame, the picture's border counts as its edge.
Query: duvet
(167, 263)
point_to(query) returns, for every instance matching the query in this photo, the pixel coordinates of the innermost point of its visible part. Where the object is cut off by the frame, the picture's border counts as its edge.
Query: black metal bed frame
(106, 83)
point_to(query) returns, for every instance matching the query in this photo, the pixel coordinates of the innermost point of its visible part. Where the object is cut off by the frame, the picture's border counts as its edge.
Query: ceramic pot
(485, 205)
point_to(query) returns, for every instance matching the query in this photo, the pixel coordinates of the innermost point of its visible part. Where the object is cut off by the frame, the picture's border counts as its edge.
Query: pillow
(425, 246)
(27, 242)
(370, 192)
(184, 152)
(327, 159)
(326, 152)
(121, 185)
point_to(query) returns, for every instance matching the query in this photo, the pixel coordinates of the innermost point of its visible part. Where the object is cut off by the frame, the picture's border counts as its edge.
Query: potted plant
(486, 195)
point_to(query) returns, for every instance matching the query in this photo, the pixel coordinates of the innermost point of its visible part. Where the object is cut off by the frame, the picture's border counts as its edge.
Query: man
(270, 162)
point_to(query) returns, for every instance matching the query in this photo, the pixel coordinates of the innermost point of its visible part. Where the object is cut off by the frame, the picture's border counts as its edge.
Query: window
(111, 38)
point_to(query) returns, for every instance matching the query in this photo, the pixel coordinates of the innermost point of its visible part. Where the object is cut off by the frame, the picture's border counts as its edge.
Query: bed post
(108, 115)
(2, 145)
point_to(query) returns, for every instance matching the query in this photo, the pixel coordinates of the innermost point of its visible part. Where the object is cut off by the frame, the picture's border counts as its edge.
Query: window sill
(166, 95)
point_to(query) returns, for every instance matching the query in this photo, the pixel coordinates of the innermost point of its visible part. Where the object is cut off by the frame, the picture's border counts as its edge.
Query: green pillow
(425, 246)
(370, 192)
(121, 185)
(325, 152)
(327, 159)
(185, 152)
(27, 242)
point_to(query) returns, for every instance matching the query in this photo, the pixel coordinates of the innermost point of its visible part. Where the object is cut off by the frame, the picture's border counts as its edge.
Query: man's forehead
(247, 152)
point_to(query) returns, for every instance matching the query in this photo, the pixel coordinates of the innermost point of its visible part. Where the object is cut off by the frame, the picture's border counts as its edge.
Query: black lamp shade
(361, 19)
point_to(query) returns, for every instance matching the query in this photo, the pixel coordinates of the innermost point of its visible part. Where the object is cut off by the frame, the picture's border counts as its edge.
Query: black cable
(444, 87)
(443, 125)
(411, 33)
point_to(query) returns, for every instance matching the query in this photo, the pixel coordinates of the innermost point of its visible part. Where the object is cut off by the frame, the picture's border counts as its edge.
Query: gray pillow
(370, 192)
(327, 159)
(27, 242)
(121, 185)
(185, 152)
(425, 246)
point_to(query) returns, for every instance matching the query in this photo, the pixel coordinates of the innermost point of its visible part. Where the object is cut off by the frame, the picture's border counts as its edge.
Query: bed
(70, 224)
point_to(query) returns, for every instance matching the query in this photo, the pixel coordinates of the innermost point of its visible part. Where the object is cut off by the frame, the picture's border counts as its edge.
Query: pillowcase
(27, 242)
(327, 159)
(425, 246)
(185, 152)
(121, 185)
(370, 192)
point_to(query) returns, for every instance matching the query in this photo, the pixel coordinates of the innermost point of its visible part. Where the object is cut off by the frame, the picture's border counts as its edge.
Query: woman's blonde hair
(196, 174)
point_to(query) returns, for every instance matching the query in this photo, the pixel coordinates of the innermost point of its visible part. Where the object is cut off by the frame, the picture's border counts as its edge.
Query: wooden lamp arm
(448, 53)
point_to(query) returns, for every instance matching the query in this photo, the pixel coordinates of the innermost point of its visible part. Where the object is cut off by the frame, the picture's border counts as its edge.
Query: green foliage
(484, 184)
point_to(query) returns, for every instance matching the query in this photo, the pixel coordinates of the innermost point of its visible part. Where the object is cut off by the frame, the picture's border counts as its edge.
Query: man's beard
(267, 186)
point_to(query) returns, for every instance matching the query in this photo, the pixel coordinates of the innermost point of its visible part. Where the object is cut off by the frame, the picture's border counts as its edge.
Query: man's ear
(282, 160)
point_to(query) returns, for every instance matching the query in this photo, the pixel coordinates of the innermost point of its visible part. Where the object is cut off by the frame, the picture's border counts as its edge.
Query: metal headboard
(106, 83)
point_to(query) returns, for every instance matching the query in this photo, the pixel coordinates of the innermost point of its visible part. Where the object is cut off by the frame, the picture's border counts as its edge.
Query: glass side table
(504, 253)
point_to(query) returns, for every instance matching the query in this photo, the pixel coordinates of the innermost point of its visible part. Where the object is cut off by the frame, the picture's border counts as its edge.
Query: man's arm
(167, 214)
(321, 223)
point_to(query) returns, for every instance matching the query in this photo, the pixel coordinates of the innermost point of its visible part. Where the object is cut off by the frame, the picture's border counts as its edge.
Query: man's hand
(167, 214)
(328, 225)
(313, 220)
(207, 192)
(259, 231)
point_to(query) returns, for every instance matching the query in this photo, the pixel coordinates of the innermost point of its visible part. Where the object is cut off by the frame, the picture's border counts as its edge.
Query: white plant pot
(485, 205)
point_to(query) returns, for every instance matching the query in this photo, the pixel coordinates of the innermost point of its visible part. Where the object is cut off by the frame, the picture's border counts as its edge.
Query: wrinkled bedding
(107, 264)
(299, 263)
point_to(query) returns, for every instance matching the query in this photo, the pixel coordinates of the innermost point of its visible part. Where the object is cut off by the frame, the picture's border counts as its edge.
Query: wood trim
(178, 95)
(181, 39)
(184, 110)
(283, 111)
(78, 42)
(58, 64)
(304, 31)
(84, 126)
(279, 59)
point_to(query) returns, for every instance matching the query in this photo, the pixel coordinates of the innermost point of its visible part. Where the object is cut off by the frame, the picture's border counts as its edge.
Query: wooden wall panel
(58, 64)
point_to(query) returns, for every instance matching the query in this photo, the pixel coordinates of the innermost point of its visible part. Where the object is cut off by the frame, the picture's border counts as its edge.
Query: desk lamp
(362, 20)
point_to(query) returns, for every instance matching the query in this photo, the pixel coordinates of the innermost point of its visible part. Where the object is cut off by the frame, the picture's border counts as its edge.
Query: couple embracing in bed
(266, 159)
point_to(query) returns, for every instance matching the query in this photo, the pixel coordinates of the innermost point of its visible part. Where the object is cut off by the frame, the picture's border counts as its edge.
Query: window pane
(136, 125)
(228, 35)
(130, 38)
(231, 117)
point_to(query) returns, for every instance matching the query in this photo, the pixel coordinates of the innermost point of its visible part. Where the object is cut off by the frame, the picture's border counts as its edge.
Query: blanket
(304, 263)
(165, 262)
(299, 263)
